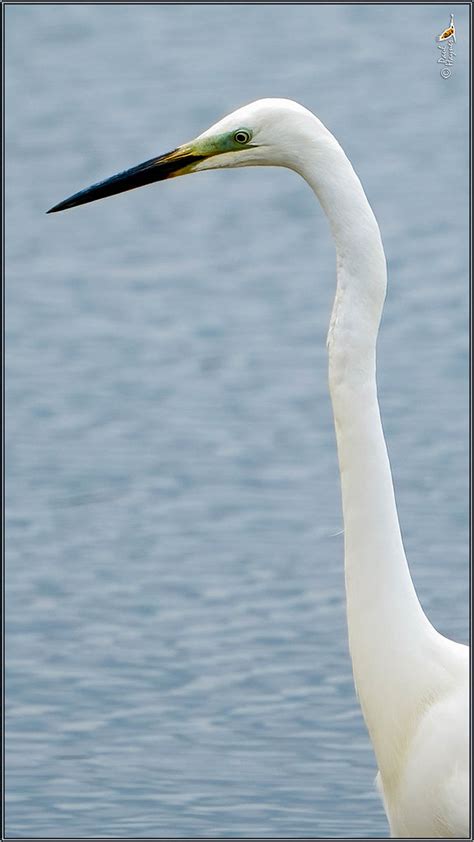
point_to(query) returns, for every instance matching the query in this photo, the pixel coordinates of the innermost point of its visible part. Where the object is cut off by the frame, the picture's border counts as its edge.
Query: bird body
(421, 742)
(428, 794)
(412, 683)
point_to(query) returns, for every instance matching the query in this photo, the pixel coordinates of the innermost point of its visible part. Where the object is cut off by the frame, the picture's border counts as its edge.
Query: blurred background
(177, 658)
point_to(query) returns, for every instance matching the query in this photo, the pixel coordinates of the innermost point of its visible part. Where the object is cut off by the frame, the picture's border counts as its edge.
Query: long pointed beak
(177, 162)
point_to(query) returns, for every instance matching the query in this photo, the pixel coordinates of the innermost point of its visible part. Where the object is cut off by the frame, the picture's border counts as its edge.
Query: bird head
(264, 133)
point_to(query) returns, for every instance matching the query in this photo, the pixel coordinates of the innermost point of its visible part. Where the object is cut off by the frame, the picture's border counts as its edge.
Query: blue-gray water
(177, 658)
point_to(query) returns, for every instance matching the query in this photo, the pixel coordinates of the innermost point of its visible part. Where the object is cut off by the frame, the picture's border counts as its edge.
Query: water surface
(177, 660)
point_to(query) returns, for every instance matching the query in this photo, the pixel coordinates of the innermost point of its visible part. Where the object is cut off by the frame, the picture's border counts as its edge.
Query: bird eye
(242, 136)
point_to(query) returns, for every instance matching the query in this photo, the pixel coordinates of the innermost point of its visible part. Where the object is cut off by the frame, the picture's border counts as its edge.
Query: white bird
(412, 683)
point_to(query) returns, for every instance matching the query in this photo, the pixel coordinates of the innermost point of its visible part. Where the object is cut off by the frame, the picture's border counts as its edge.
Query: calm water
(177, 658)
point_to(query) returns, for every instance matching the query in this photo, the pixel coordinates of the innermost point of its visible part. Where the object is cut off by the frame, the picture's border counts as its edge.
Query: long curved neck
(385, 620)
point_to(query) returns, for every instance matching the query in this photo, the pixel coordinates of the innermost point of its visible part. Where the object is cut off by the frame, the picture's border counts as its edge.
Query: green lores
(227, 142)
(177, 162)
(190, 154)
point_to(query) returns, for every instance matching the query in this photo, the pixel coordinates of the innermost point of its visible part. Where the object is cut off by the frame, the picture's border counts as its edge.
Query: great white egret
(412, 683)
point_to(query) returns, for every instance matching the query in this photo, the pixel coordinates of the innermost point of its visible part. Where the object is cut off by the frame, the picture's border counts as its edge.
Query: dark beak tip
(67, 203)
(55, 208)
(156, 169)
